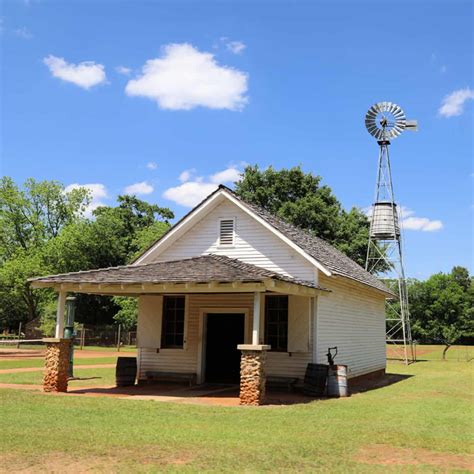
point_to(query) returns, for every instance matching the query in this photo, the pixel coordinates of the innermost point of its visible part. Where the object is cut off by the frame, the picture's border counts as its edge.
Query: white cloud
(184, 78)
(86, 74)
(411, 222)
(98, 193)
(422, 223)
(151, 165)
(236, 47)
(123, 70)
(453, 104)
(189, 194)
(23, 33)
(186, 175)
(228, 175)
(139, 188)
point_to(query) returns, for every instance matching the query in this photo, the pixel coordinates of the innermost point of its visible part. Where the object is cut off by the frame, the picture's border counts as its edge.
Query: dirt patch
(65, 463)
(395, 456)
(41, 369)
(22, 354)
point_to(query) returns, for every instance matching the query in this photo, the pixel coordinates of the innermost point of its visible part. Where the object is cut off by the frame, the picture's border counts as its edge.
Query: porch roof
(208, 273)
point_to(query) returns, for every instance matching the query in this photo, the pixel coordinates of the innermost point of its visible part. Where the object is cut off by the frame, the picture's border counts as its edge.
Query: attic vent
(226, 232)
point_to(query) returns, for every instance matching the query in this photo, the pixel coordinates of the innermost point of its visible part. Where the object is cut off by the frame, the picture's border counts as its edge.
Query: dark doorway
(223, 333)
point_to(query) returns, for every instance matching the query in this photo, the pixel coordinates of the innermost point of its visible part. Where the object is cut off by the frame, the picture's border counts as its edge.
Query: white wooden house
(230, 275)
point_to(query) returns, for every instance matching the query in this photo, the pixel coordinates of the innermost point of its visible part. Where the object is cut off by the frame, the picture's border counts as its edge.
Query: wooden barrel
(315, 380)
(337, 381)
(125, 371)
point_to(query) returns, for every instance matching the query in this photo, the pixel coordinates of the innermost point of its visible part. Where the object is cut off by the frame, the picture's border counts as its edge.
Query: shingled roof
(205, 269)
(334, 260)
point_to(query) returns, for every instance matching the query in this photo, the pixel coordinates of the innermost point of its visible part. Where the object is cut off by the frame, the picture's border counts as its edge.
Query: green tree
(30, 217)
(441, 307)
(299, 198)
(114, 237)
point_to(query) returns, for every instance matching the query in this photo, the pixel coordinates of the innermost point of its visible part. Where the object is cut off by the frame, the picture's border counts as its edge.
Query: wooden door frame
(203, 312)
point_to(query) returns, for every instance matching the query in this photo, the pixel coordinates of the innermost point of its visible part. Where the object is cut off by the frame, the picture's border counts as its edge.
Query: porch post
(252, 373)
(256, 319)
(60, 315)
(56, 364)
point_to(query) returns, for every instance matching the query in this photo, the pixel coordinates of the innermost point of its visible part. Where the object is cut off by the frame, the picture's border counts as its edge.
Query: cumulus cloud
(194, 189)
(189, 194)
(86, 74)
(453, 104)
(139, 188)
(151, 165)
(98, 193)
(228, 175)
(123, 70)
(412, 222)
(184, 78)
(422, 223)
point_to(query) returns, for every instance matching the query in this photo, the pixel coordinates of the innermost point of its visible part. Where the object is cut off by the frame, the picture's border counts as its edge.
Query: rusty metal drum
(337, 381)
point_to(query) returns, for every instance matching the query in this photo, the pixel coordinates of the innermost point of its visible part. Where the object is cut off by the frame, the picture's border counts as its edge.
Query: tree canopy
(44, 231)
(442, 307)
(301, 199)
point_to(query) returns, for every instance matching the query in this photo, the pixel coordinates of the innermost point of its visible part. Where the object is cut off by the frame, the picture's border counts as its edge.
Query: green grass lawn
(421, 423)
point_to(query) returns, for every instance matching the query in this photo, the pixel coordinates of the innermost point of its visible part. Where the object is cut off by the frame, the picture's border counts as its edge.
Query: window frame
(278, 347)
(164, 345)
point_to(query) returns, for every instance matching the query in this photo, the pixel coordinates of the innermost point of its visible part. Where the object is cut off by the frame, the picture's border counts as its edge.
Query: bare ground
(394, 456)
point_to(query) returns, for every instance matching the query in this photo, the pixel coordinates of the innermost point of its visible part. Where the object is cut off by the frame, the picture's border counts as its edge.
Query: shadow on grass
(375, 384)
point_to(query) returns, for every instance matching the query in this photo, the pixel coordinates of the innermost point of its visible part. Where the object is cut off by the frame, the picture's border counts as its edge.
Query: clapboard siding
(186, 360)
(352, 318)
(253, 244)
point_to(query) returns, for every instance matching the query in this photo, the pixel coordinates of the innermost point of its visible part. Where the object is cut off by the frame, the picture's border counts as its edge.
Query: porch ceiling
(205, 274)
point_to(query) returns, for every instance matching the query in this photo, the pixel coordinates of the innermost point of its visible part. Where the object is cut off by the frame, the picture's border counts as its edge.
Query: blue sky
(172, 97)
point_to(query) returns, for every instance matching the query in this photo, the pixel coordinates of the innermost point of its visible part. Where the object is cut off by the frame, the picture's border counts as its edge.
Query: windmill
(386, 121)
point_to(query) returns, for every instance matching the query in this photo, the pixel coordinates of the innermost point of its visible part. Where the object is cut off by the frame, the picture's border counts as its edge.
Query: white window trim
(186, 319)
(226, 246)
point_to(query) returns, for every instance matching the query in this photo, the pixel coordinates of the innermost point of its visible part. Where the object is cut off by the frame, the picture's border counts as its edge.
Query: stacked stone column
(56, 365)
(252, 374)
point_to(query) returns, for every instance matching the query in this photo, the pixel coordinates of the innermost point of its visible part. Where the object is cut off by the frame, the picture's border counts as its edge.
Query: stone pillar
(56, 364)
(252, 373)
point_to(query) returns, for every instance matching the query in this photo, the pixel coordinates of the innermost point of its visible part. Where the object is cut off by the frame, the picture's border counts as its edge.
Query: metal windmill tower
(386, 121)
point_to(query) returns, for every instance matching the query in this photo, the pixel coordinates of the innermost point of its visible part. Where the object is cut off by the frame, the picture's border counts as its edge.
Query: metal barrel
(337, 381)
(385, 221)
(315, 379)
(125, 371)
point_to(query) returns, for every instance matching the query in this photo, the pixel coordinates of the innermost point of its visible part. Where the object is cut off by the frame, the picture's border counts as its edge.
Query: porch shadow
(222, 395)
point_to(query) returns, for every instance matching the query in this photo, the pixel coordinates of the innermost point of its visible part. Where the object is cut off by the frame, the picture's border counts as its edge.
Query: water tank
(384, 221)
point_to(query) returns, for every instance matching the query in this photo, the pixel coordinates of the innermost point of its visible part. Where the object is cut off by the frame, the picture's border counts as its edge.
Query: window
(276, 322)
(172, 331)
(226, 232)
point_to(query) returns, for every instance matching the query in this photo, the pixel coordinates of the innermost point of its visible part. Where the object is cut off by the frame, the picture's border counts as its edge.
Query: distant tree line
(45, 230)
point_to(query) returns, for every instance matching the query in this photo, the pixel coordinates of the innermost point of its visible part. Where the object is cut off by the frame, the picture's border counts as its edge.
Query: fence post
(118, 338)
(83, 336)
(19, 336)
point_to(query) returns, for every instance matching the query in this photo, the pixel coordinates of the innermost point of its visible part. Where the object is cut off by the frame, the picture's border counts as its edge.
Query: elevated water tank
(384, 221)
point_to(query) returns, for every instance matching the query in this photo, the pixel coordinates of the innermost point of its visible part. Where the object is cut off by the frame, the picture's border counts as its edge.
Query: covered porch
(202, 316)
